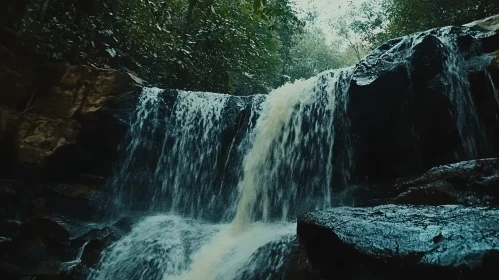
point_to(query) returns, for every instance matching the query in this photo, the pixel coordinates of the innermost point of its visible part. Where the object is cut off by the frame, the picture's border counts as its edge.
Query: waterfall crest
(256, 163)
(291, 155)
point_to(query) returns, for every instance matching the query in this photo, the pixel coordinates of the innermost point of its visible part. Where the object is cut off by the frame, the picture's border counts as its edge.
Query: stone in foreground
(403, 242)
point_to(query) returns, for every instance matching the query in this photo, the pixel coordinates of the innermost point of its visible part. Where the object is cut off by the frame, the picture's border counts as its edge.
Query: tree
(377, 21)
(233, 46)
(311, 55)
(407, 16)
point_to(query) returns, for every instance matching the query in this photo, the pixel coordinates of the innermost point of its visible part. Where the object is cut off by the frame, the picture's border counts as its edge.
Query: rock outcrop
(402, 242)
(405, 120)
(50, 248)
(469, 183)
(60, 128)
(424, 100)
(59, 118)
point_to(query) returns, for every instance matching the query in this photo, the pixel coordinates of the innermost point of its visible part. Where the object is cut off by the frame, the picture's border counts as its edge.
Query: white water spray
(287, 169)
(296, 123)
(459, 91)
(294, 117)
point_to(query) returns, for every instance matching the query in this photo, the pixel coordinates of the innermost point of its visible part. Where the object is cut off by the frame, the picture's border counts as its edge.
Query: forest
(249, 139)
(235, 46)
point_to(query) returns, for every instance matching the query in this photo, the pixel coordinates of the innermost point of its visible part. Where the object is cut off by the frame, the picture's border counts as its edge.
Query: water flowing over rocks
(410, 133)
(424, 100)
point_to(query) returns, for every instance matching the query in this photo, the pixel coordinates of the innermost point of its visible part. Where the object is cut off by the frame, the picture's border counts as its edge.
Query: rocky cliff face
(425, 100)
(60, 128)
(56, 116)
(441, 223)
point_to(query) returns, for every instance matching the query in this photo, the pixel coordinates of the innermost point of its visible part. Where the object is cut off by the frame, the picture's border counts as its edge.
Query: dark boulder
(29, 258)
(410, 109)
(105, 235)
(59, 121)
(91, 252)
(12, 12)
(402, 242)
(45, 229)
(9, 198)
(10, 228)
(78, 201)
(125, 224)
(469, 183)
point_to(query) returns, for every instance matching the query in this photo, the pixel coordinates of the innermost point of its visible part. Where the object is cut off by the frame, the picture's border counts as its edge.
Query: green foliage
(235, 46)
(370, 21)
(407, 16)
(311, 55)
(377, 21)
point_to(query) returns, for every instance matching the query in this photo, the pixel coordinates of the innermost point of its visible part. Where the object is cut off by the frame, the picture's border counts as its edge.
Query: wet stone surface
(390, 241)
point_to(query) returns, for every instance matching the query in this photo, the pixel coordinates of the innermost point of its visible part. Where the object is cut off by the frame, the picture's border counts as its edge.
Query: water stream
(285, 167)
(222, 178)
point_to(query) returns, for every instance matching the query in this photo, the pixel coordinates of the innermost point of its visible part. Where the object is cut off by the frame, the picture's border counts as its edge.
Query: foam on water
(288, 160)
(293, 123)
(171, 247)
(296, 122)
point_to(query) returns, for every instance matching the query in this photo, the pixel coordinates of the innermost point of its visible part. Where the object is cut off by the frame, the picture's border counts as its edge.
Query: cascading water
(136, 164)
(494, 89)
(221, 201)
(286, 171)
(457, 86)
(291, 155)
(184, 173)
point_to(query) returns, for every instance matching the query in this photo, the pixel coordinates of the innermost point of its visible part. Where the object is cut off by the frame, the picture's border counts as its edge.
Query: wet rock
(83, 90)
(8, 191)
(12, 12)
(125, 224)
(281, 259)
(75, 272)
(105, 235)
(470, 183)
(490, 23)
(26, 257)
(57, 120)
(78, 201)
(40, 137)
(45, 229)
(403, 116)
(402, 242)
(91, 252)
(10, 228)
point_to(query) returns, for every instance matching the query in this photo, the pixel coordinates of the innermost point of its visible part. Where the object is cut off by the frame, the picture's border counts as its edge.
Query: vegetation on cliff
(377, 21)
(235, 46)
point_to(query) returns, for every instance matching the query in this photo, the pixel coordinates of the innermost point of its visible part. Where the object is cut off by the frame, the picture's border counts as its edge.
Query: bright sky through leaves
(326, 10)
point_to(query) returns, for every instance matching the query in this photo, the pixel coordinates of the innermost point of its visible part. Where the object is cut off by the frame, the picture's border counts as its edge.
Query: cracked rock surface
(396, 242)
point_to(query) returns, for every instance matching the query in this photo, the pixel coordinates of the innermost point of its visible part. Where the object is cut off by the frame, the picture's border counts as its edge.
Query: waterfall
(291, 155)
(282, 158)
(457, 85)
(189, 154)
(136, 165)
(222, 178)
(170, 159)
(494, 89)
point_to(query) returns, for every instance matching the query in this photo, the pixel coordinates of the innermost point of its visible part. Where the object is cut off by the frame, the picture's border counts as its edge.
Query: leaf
(111, 52)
